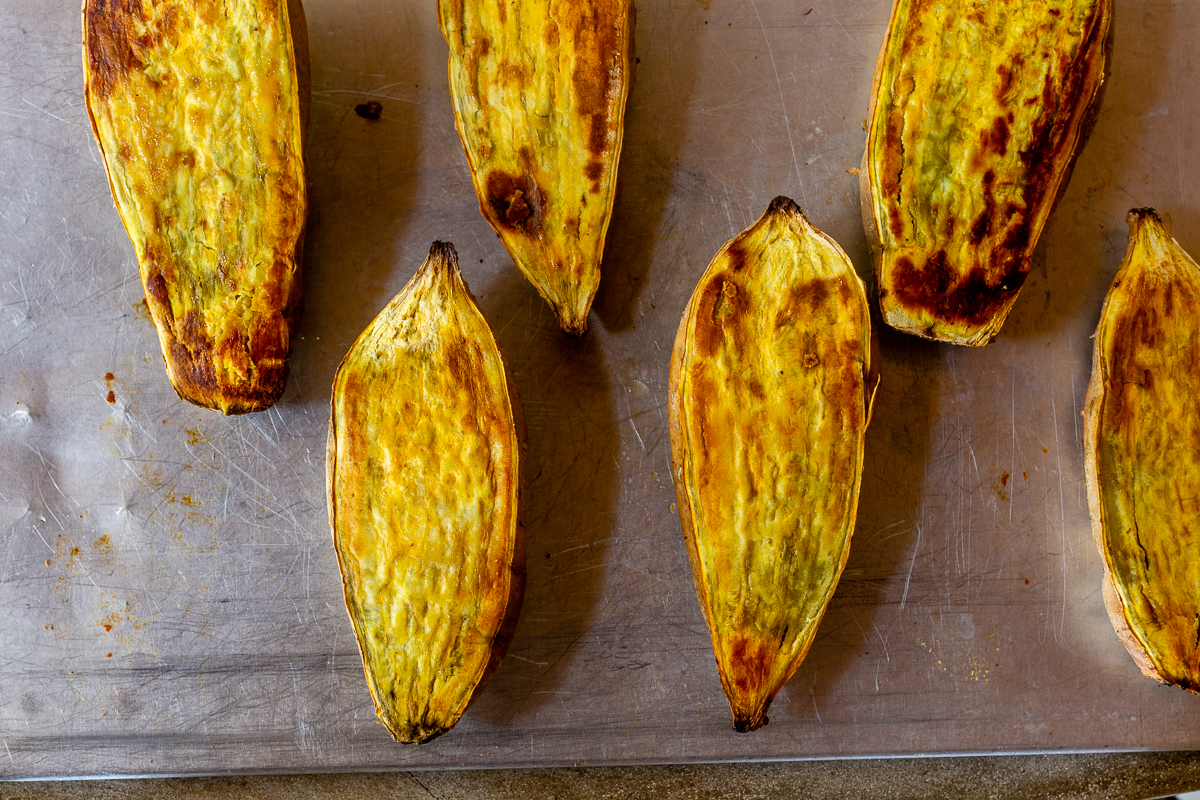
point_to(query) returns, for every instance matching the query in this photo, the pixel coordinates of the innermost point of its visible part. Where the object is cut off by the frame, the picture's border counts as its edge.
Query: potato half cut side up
(772, 384)
(979, 111)
(425, 457)
(539, 91)
(199, 111)
(1142, 453)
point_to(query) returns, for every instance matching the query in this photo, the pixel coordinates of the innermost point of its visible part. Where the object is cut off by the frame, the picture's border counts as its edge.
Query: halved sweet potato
(772, 383)
(979, 110)
(424, 472)
(199, 110)
(1142, 453)
(539, 92)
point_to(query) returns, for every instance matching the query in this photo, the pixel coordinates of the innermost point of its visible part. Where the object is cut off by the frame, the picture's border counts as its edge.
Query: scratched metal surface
(169, 595)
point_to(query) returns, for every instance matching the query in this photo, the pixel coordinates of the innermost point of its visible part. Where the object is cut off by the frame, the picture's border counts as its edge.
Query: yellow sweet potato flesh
(539, 91)
(979, 111)
(771, 390)
(424, 468)
(199, 110)
(1143, 453)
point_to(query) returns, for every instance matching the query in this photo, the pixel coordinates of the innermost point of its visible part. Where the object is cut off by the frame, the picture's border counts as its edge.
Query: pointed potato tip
(1140, 216)
(571, 324)
(443, 251)
(749, 722)
(417, 736)
(784, 205)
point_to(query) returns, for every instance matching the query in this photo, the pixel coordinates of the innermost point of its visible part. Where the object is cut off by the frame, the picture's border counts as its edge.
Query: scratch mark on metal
(529, 660)
(635, 433)
(911, 563)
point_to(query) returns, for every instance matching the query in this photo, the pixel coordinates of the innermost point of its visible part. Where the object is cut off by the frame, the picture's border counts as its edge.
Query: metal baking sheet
(169, 594)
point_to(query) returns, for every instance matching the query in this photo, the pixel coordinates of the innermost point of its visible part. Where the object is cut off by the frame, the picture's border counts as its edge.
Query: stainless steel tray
(169, 595)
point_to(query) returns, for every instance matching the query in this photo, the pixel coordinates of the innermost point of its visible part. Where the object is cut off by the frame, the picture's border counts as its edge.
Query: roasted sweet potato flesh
(539, 92)
(979, 111)
(771, 389)
(424, 468)
(1143, 453)
(199, 111)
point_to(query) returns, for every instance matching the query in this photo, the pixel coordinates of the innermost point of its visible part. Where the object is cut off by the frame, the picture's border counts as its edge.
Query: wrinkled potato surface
(771, 391)
(424, 472)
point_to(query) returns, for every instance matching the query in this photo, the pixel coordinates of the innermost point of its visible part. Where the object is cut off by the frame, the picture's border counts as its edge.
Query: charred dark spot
(372, 110)
(515, 201)
(937, 288)
(593, 170)
(112, 396)
(1000, 135)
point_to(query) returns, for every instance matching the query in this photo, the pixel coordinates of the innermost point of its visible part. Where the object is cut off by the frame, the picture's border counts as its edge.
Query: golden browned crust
(1140, 457)
(978, 114)
(424, 467)
(217, 228)
(539, 102)
(771, 389)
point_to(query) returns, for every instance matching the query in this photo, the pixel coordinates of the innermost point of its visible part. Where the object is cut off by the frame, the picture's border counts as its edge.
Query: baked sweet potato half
(199, 110)
(978, 113)
(772, 384)
(1142, 453)
(424, 467)
(539, 92)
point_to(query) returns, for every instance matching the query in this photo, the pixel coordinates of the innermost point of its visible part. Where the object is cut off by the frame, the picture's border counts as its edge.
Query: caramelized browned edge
(1005, 298)
(190, 369)
(517, 572)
